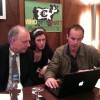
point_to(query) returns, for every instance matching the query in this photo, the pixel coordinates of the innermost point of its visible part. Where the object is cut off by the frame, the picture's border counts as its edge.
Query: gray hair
(14, 32)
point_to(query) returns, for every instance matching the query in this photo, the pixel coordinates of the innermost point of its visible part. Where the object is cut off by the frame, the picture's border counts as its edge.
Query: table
(27, 94)
(93, 95)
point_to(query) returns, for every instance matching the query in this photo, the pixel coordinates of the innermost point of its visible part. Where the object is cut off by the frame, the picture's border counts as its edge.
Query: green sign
(47, 15)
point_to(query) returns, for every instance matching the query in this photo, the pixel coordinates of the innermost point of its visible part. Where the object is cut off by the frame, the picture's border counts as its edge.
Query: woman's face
(40, 41)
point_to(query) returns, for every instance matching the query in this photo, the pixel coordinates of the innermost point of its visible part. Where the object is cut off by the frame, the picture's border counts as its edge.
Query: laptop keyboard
(55, 90)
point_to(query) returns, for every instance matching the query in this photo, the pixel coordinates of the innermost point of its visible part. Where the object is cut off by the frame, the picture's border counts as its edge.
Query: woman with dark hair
(42, 52)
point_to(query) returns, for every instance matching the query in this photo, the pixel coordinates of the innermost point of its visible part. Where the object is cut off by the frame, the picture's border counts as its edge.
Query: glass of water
(36, 91)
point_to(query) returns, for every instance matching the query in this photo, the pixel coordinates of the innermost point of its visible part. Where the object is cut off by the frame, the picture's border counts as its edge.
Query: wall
(54, 38)
(12, 18)
(71, 14)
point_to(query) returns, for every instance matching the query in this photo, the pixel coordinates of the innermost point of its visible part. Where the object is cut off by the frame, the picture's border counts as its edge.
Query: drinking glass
(36, 91)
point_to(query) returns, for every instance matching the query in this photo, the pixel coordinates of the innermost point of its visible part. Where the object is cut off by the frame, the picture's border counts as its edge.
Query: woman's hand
(85, 70)
(43, 70)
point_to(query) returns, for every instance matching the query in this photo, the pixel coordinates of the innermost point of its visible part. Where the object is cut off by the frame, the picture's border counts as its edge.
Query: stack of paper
(98, 84)
(4, 97)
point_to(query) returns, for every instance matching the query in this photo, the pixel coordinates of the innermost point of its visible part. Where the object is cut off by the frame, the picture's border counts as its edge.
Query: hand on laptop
(52, 83)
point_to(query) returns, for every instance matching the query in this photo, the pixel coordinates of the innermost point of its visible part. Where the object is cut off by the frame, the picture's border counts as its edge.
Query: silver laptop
(74, 83)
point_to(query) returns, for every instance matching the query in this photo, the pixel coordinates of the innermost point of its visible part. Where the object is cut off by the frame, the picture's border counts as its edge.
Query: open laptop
(76, 83)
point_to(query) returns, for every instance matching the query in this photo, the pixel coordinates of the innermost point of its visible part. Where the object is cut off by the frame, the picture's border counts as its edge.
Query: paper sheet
(98, 84)
(4, 97)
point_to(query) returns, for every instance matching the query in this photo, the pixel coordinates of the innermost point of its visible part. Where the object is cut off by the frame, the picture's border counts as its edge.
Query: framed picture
(2, 9)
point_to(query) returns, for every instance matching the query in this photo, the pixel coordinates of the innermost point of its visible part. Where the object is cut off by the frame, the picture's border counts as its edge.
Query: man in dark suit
(18, 43)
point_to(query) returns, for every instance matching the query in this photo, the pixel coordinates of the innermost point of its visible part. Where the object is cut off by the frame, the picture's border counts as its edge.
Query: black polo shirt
(74, 66)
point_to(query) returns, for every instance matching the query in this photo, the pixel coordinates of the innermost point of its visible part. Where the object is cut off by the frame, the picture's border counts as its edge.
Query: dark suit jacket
(26, 68)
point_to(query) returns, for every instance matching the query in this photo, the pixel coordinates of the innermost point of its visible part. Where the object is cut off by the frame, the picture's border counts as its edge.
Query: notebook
(74, 83)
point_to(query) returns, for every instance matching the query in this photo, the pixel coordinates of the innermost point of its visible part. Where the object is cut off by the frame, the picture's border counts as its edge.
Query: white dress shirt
(10, 67)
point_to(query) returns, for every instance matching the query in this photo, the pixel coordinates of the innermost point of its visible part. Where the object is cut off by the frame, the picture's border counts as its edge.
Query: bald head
(19, 38)
(15, 32)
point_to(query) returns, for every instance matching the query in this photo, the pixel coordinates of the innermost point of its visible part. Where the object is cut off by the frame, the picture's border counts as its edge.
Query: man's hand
(52, 83)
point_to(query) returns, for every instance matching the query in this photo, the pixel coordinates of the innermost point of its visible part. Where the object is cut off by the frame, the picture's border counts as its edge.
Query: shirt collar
(80, 51)
(11, 52)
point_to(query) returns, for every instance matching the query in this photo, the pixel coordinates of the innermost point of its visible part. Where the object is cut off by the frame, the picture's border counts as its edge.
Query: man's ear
(83, 36)
(67, 36)
(13, 39)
